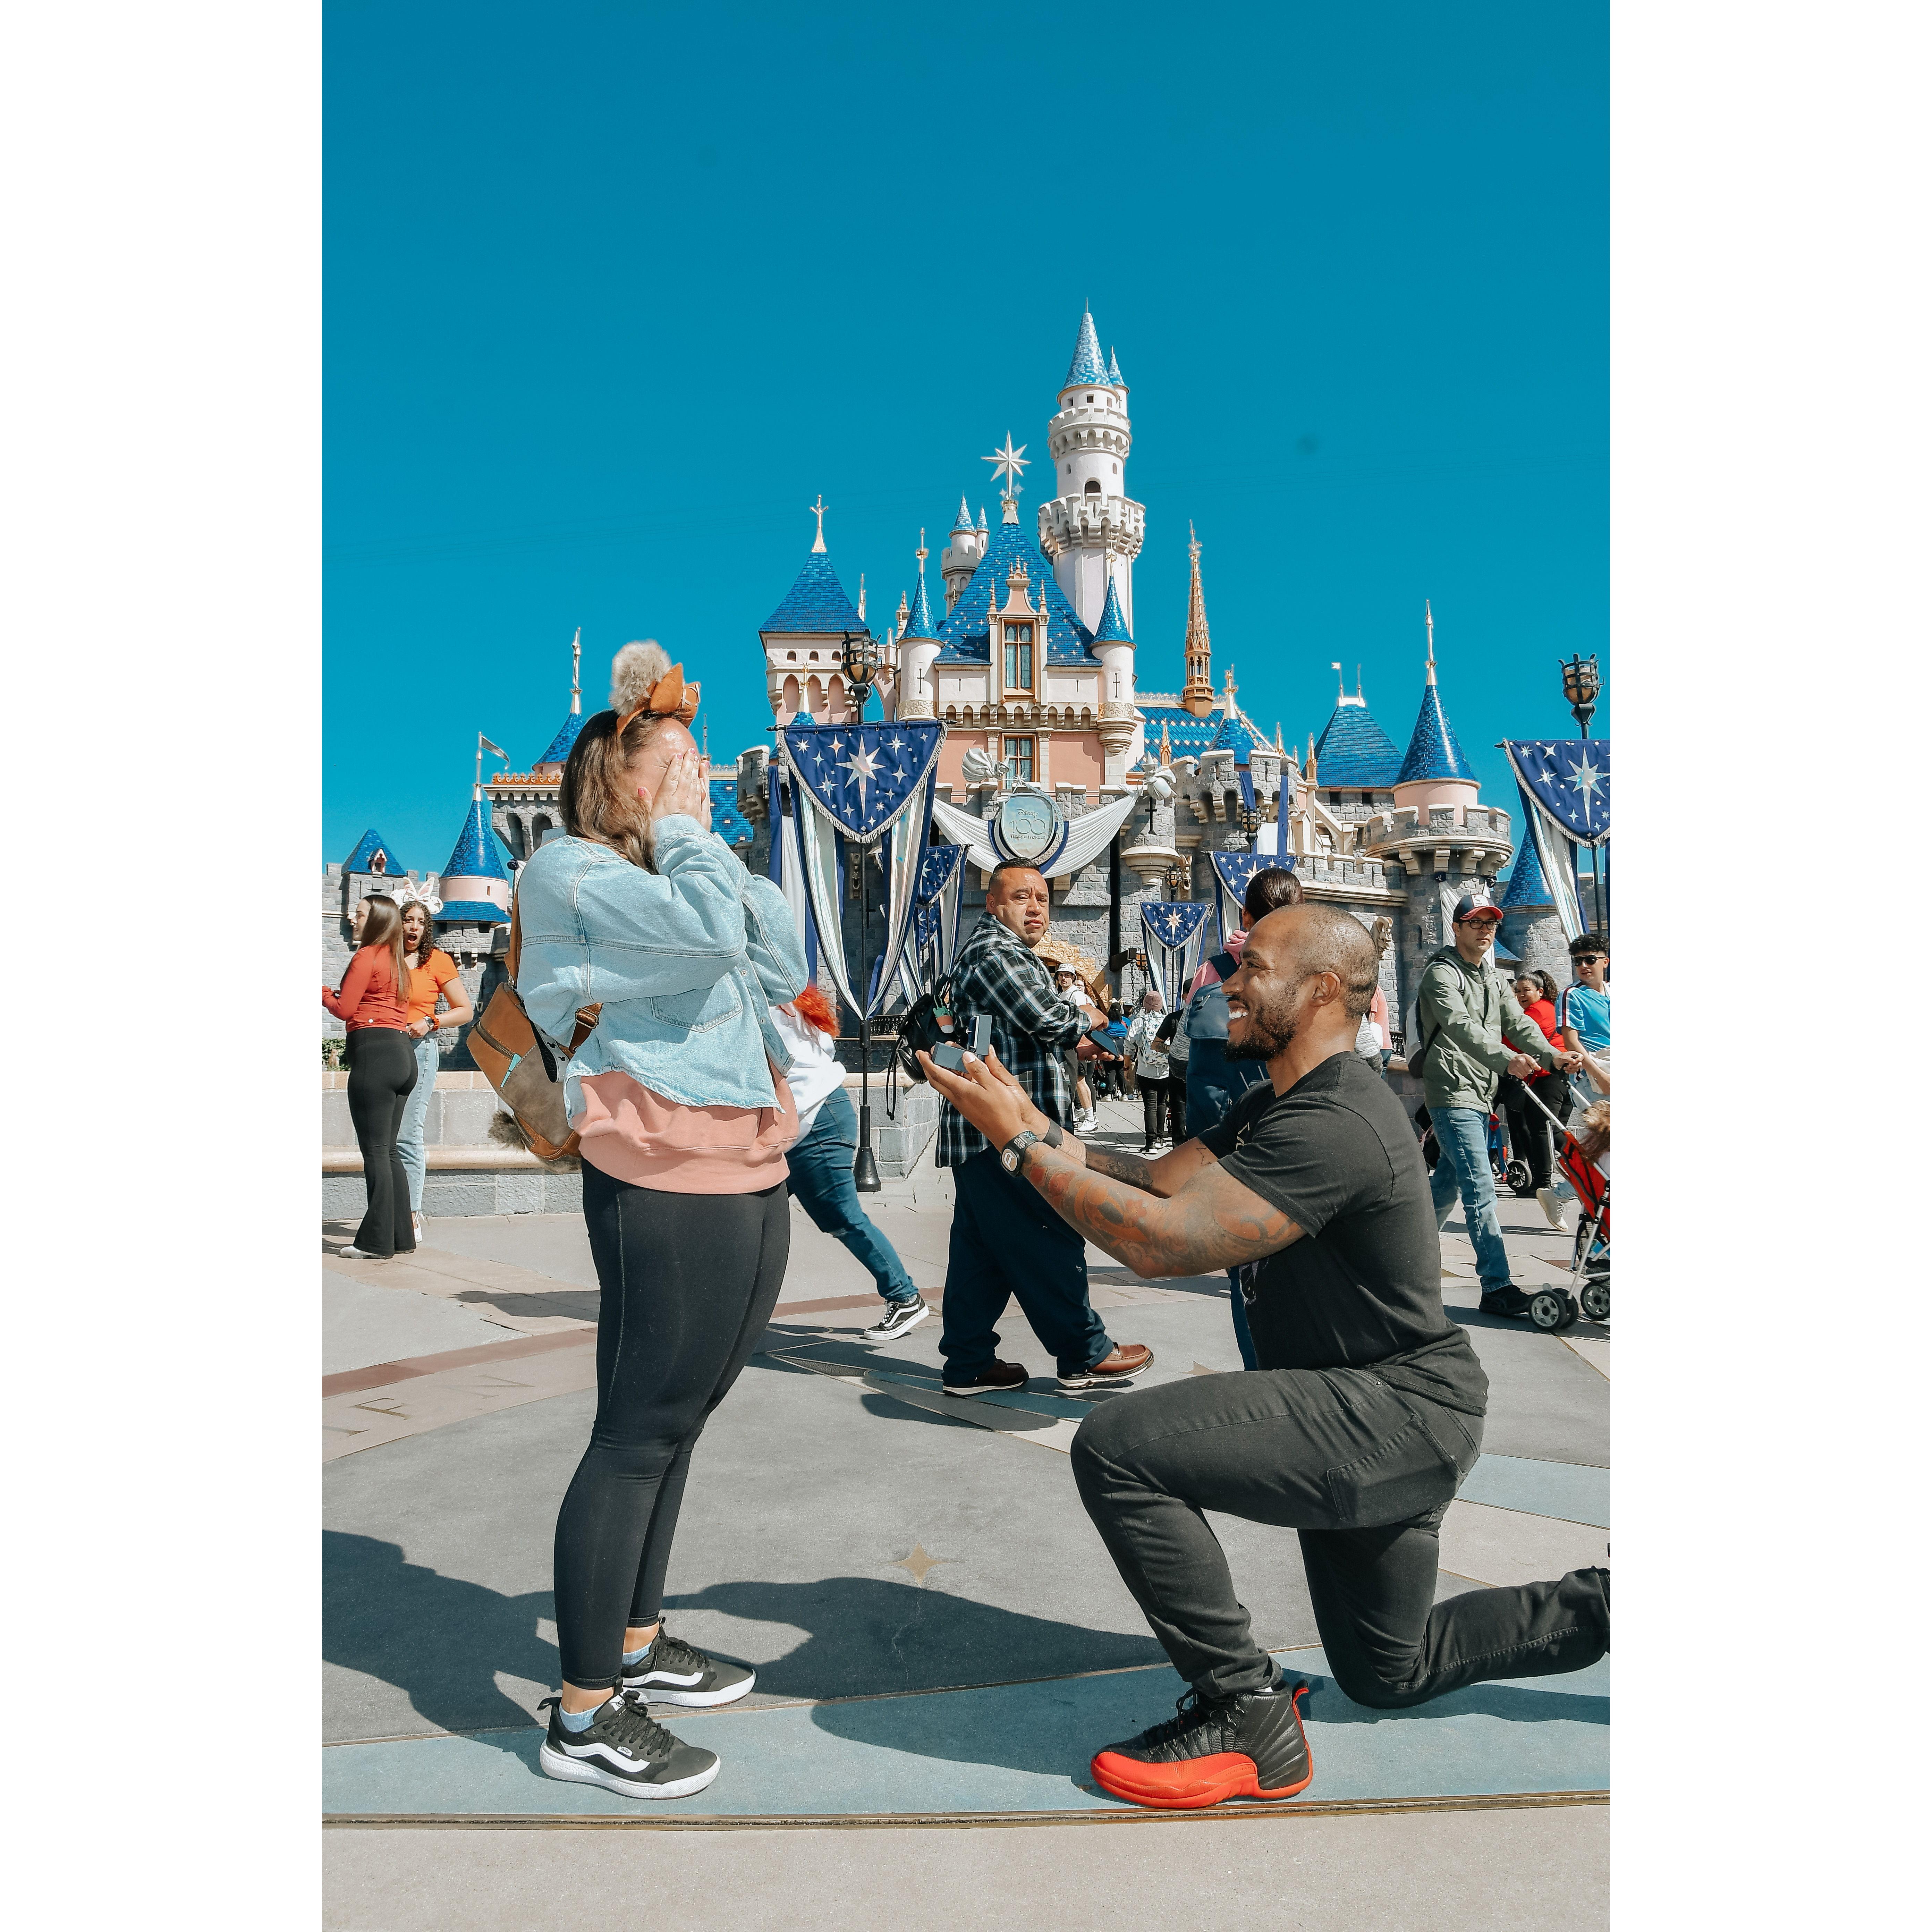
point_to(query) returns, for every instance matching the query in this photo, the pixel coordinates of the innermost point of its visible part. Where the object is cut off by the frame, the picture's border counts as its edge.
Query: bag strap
(587, 1017)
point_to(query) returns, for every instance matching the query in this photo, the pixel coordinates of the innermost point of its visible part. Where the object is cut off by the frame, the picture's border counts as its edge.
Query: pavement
(941, 1640)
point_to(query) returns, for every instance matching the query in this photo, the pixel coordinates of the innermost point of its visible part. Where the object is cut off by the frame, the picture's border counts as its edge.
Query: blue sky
(613, 291)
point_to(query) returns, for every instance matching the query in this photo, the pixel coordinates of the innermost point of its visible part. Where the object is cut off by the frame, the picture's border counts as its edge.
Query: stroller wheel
(1517, 1175)
(1551, 1308)
(1596, 1298)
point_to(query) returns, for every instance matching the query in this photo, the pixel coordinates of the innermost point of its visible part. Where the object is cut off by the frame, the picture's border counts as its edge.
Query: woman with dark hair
(371, 1004)
(432, 976)
(642, 925)
(1529, 1133)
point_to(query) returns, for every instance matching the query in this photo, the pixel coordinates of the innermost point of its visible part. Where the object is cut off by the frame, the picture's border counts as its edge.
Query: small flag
(484, 744)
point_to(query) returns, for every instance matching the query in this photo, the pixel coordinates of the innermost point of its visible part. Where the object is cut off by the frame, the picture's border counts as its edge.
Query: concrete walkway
(941, 1640)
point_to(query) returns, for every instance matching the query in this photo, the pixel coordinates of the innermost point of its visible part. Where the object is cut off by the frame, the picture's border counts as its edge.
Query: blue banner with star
(1173, 931)
(940, 862)
(865, 777)
(1570, 779)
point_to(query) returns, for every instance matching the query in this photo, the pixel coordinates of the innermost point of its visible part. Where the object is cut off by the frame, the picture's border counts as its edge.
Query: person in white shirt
(1066, 983)
(820, 1160)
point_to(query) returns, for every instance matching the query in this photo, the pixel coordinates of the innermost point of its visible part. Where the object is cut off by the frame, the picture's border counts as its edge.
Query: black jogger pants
(1365, 1475)
(688, 1282)
(382, 1075)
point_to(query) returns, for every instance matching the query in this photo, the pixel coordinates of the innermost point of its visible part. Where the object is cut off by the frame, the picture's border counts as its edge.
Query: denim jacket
(687, 961)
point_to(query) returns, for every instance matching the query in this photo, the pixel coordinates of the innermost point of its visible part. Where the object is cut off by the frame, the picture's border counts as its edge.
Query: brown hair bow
(670, 697)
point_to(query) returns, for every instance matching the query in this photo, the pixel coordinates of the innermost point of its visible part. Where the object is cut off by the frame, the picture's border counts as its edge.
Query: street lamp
(1177, 878)
(1250, 818)
(860, 655)
(1582, 682)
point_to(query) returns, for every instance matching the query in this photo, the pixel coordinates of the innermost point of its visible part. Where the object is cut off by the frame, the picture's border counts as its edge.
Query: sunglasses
(1588, 959)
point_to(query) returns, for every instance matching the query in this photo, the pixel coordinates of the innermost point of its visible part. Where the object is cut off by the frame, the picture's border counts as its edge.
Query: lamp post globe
(1582, 683)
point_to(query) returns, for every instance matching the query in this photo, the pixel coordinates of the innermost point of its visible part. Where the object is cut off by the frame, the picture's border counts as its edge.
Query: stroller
(1553, 1309)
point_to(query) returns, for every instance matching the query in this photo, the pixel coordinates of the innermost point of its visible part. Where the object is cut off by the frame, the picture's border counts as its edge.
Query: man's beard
(1268, 1032)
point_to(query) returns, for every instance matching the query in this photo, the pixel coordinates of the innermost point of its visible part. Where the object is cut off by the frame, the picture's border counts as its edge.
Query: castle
(1034, 662)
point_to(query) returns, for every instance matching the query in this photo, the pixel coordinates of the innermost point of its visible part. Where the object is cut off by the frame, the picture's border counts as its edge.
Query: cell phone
(951, 1055)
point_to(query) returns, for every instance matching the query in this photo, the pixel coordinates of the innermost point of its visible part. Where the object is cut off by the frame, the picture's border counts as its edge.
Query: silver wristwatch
(1012, 1155)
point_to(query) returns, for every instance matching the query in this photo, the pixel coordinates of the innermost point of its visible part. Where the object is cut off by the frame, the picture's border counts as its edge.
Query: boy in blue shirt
(1583, 1011)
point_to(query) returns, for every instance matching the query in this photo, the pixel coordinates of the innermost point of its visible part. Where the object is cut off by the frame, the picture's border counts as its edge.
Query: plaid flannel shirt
(1033, 1029)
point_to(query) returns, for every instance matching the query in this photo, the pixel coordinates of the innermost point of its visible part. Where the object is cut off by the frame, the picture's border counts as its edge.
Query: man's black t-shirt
(1362, 1286)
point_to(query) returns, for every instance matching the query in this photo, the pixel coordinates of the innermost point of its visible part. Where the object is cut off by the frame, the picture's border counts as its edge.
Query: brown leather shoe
(1004, 1377)
(1127, 1360)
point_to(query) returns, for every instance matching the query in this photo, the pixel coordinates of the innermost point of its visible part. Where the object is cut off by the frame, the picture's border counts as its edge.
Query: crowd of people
(699, 1079)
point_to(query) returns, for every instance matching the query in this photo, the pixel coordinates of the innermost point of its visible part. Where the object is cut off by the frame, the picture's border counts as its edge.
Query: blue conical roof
(371, 842)
(1237, 735)
(1433, 752)
(964, 633)
(477, 855)
(1527, 886)
(965, 519)
(1086, 366)
(566, 736)
(1114, 370)
(1113, 626)
(817, 603)
(919, 616)
(982, 524)
(1354, 750)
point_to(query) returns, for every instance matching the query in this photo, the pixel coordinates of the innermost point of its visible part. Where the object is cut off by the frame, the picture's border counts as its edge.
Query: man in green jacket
(1464, 1012)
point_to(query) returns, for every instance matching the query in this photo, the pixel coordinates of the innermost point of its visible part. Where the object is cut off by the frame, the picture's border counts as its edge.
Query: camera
(952, 1057)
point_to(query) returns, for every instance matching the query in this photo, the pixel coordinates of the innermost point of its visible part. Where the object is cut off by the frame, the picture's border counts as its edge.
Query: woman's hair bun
(633, 671)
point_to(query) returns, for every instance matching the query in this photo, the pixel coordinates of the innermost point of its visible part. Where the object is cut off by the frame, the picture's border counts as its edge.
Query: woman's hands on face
(684, 790)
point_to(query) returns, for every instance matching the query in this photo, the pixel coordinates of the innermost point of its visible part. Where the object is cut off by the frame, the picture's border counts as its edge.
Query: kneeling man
(1364, 1416)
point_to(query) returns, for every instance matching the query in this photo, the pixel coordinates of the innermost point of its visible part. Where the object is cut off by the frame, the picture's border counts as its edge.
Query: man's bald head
(1311, 938)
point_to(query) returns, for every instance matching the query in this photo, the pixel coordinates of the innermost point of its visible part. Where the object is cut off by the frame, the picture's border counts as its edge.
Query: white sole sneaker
(692, 1700)
(878, 1332)
(578, 1771)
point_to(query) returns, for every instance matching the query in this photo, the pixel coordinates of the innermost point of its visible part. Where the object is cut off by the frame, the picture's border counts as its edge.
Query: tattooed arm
(1211, 1222)
(1165, 1177)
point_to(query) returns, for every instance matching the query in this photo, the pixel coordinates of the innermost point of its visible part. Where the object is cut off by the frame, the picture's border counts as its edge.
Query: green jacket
(1468, 1012)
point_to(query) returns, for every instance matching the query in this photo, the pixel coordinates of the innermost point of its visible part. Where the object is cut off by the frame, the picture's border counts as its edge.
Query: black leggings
(1164, 1109)
(689, 1282)
(382, 1075)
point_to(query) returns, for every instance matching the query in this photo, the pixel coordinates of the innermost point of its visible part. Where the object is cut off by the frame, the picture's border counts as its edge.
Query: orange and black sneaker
(1250, 1745)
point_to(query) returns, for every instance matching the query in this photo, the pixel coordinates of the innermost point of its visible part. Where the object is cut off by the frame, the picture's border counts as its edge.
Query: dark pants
(821, 1184)
(1164, 1108)
(1007, 1244)
(1365, 1476)
(1530, 1135)
(382, 1072)
(689, 1282)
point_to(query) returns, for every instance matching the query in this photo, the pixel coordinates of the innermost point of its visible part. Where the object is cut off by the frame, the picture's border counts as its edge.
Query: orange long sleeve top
(368, 994)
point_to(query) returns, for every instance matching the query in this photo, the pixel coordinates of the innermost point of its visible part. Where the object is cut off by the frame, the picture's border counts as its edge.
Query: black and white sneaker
(673, 1671)
(898, 1317)
(624, 1751)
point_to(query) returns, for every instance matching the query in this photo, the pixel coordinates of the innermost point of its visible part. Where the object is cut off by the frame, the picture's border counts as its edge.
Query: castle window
(539, 826)
(1019, 756)
(1368, 798)
(1093, 486)
(1019, 657)
(1090, 399)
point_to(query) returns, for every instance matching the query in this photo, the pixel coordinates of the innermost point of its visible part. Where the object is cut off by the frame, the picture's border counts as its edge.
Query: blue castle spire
(477, 855)
(1087, 366)
(965, 521)
(1433, 752)
(367, 847)
(982, 524)
(1527, 886)
(1114, 370)
(1113, 626)
(919, 617)
(816, 602)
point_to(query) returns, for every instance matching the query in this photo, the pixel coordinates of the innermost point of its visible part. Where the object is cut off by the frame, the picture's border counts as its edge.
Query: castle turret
(1114, 645)
(1358, 759)
(804, 639)
(919, 645)
(1197, 694)
(1532, 929)
(476, 885)
(1091, 529)
(960, 557)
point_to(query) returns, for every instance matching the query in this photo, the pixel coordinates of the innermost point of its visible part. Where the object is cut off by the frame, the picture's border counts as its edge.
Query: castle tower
(804, 639)
(1445, 842)
(1531, 928)
(1114, 645)
(1092, 530)
(919, 645)
(475, 887)
(961, 555)
(1197, 694)
(1358, 761)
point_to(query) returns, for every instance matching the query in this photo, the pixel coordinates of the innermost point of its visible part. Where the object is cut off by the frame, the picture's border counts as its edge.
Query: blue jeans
(1243, 1340)
(821, 1184)
(409, 1139)
(1463, 1133)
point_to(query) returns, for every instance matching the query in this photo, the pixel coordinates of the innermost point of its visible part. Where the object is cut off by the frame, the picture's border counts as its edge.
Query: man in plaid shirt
(1006, 1242)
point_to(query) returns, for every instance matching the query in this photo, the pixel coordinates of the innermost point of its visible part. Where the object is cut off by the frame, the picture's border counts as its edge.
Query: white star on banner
(1586, 777)
(864, 767)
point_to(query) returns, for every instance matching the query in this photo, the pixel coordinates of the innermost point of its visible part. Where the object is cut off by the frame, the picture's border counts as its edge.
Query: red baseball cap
(1477, 905)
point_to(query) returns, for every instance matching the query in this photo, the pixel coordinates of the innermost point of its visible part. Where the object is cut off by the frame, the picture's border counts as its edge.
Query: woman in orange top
(372, 1004)
(432, 974)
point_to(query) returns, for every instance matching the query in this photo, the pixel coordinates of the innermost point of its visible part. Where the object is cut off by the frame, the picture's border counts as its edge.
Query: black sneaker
(1003, 1377)
(1249, 1746)
(673, 1671)
(898, 1317)
(1504, 1301)
(623, 1750)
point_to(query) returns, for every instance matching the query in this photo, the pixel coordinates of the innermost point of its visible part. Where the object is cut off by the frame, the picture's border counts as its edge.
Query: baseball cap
(1475, 905)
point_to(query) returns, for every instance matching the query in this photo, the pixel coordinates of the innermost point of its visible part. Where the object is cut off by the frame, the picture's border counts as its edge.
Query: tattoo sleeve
(1214, 1223)
(1128, 1167)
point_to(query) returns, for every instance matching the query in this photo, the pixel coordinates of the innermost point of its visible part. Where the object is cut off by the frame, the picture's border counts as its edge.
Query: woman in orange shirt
(372, 1003)
(432, 974)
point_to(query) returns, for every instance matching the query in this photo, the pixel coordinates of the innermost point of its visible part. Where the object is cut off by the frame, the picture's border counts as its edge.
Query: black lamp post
(861, 658)
(1178, 877)
(1251, 819)
(1581, 683)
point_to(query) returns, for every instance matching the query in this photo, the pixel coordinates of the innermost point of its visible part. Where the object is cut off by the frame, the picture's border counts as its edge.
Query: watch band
(1053, 1136)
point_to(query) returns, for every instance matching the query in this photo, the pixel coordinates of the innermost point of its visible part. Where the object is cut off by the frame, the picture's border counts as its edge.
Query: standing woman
(1529, 1132)
(1148, 1058)
(432, 974)
(643, 922)
(382, 1071)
